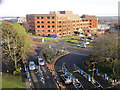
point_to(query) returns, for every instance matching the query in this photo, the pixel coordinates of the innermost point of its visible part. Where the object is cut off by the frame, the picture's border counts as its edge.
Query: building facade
(61, 23)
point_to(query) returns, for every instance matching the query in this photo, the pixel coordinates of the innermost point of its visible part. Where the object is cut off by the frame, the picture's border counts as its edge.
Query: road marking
(80, 54)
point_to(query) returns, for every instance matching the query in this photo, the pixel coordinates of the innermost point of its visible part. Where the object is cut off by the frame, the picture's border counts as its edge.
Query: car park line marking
(80, 54)
(95, 83)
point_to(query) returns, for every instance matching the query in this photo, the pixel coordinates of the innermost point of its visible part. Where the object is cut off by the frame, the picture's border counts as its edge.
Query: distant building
(61, 23)
(19, 20)
(103, 27)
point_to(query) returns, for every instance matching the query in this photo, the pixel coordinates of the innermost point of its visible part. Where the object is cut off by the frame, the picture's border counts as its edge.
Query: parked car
(86, 42)
(31, 65)
(82, 38)
(91, 38)
(78, 45)
(83, 46)
(66, 79)
(41, 61)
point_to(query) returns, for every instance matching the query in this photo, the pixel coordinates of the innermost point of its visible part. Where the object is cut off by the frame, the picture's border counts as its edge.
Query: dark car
(91, 38)
(82, 38)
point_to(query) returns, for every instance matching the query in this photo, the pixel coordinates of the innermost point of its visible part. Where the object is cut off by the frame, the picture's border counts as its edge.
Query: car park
(41, 61)
(31, 65)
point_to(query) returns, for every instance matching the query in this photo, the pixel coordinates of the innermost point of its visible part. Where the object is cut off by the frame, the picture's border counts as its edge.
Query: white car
(83, 46)
(41, 61)
(78, 45)
(86, 42)
(31, 65)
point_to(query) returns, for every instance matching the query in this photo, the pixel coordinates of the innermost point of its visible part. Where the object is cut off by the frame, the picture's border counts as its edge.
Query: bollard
(70, 76)
(27, 70)
(27, 75)
(89, 77)
(81, 72)
(96, 71)
(64, 71)
(39, 68)
(41, 73)
(105, 76)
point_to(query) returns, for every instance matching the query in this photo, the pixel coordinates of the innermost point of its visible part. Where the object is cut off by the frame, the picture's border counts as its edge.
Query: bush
(17, 71)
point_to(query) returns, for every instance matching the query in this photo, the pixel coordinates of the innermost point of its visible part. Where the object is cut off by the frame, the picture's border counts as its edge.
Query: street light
(93, 68)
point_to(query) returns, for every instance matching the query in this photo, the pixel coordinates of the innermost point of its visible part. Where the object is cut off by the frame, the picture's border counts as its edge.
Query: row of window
(47, 17)
(64, 33)
(42, 26)
(47, 30)
(44, 22)
(47, 26)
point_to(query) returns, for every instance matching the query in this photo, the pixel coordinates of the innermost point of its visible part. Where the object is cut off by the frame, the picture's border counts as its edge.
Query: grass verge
(11, 81)
(50, 39)
(66, 37)
(72, 41)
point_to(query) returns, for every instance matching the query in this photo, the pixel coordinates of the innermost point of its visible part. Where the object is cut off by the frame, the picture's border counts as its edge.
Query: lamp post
(93, 68)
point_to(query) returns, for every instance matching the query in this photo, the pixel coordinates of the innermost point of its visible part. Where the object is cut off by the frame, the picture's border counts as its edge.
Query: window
(38, 21)
(48, 26)
(48, 21)
(38, 26)
(53, 22)
(60, 34)
(48, 30)
(90, 20)
(42, 17)
(90, 23)
(59, 26)
(43, 30)
(53, 26)
(37, 17)
(42, 26)
(53, 17)
(42, 21)
(48, 17)
(53, 30)
(59, 21)
(60, 30)
(38, 30)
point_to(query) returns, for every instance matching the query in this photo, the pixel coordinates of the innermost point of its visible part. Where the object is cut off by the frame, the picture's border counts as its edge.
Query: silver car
(41, 61)
(31, 65)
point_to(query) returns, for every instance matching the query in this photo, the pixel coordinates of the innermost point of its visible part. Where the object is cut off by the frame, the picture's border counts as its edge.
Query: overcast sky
(90, 7)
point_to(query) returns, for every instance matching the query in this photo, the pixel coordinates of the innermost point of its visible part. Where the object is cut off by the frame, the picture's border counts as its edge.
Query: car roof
(31, 62)
(40, 59)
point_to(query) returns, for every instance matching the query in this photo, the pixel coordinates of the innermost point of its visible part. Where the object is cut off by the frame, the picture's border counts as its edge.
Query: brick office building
(61, 23)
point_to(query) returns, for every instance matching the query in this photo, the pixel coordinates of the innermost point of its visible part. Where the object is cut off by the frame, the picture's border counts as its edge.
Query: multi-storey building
(61, 23)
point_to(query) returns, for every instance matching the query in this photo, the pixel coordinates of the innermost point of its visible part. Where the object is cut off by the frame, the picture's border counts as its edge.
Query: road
(49, 80)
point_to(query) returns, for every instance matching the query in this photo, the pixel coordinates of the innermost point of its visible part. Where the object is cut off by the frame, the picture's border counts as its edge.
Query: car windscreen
(41, 60)
(31, 65)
